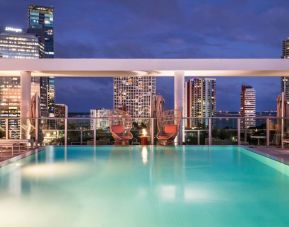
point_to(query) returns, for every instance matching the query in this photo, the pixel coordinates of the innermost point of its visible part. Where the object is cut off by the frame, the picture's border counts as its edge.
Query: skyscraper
(41, 24)
(134, 95)
(248, 106)
(14, 43)
(200, 101)
(285, 80)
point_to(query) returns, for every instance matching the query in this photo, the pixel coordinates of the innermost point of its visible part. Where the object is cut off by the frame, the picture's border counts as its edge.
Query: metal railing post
(239, 130)
(282, 117)
(282, 132)
(181, 137)
(152, 131)
(245, 132)
(183, 131)
(36, 130)
(81, 139)
(6, 129)
(94, 133)
(267, 132)
(65, 131)
(210, 131)
(199, 139)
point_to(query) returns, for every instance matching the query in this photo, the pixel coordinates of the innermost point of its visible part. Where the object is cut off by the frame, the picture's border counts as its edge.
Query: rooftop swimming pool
(144, 186)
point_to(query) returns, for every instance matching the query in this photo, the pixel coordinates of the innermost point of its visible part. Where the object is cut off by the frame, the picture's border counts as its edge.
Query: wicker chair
(120, 126)
(168, 126)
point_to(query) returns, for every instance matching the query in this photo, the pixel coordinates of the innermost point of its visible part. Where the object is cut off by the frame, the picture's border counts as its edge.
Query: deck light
(144, 132)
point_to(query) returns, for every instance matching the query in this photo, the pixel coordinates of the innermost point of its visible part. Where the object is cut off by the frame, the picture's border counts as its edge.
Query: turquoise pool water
(144, 186)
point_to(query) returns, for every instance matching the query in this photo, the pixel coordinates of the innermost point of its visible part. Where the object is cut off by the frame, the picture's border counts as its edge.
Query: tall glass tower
(285, 80)
(40, 19)
(200, 101)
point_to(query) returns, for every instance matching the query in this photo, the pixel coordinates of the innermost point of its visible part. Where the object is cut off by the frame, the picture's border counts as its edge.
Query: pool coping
(262, 151)
(20, 156)
(258, 150)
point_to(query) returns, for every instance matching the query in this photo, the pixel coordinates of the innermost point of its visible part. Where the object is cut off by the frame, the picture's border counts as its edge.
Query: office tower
(134, 95)
(40, 20)
(41, 24)
(100, 118)
(14, 43)
(285, 80)
(248, 106)
(200, 101)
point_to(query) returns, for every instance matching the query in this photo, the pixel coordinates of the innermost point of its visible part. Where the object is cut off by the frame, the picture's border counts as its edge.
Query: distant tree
(2, 133)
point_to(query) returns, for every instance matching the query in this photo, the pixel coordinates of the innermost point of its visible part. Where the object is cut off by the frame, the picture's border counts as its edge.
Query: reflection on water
(167, 192)
(50, 154)
(155, 186)
(53, 170)
(194, 194)
(144, 155)
(14, 186)
(65, 153)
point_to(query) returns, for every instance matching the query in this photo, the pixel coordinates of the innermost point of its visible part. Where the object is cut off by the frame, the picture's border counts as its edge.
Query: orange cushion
(170, 129)
(117, 128)
(163, 137)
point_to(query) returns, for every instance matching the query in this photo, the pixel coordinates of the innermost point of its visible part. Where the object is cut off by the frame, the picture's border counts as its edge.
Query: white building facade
(200, 101)
(134, 95)
(248, 106)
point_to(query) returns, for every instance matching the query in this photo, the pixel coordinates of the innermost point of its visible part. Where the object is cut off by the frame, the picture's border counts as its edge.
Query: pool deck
(281, 155)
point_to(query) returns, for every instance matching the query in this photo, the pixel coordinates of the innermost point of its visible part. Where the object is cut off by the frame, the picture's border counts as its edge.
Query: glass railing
(262, 131)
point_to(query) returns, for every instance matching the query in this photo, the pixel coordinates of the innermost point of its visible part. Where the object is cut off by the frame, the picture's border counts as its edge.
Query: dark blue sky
(162, 29)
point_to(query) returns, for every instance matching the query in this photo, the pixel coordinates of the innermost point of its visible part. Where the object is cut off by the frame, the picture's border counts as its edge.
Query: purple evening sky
(162, 29)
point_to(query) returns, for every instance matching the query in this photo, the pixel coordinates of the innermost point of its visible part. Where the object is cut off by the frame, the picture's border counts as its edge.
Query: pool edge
(21, 156)
(249, 148)
(262, 153)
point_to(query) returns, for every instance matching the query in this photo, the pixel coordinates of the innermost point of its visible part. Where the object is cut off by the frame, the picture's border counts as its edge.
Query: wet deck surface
(7, 156)
(276, 153)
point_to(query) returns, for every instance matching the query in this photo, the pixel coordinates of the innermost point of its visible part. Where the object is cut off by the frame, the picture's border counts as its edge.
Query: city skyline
(15, 43)
(35, 41)
(229, 44)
